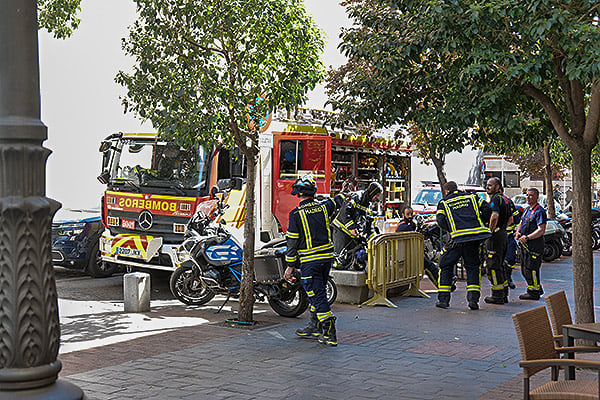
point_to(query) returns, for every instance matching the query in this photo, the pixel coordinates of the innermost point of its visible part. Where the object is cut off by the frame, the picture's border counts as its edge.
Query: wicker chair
(560, 314)
(538, 352)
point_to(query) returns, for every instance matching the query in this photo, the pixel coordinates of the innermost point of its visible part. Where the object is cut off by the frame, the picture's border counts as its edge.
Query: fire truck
(153, 186)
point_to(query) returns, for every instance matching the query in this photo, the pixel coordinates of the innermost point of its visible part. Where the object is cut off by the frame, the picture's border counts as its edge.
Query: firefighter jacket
(347, 218)
(309, 235)
(462, 214)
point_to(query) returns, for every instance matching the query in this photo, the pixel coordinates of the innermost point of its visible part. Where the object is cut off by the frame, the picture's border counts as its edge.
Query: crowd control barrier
(395, 260)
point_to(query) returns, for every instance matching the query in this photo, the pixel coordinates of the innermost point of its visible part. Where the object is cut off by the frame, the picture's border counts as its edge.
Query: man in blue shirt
(530, 234)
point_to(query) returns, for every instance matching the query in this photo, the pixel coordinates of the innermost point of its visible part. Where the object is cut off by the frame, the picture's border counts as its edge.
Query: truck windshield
(161, 164)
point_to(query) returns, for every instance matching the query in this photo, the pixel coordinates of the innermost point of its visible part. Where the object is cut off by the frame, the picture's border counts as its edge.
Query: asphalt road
(76, 285)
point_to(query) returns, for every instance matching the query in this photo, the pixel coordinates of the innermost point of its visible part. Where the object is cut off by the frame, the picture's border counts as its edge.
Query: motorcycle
(354, 255)
(567, 224)
(209, 262)
(553, 240)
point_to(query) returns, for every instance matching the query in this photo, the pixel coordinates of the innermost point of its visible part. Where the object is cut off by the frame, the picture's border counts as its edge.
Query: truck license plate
(125, 251)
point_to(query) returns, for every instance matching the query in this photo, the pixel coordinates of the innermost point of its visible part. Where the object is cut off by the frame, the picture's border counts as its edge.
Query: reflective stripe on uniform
(313, 250)
(323, 316)
(444, 289)
(473, 288)
(304, 221)
(293, 235)
(316, 257)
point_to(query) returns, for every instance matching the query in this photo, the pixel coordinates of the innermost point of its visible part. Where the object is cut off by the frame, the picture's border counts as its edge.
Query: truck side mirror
(104, 177)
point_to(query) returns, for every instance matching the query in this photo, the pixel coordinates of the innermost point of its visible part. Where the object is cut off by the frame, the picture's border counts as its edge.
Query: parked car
(425, 202)
(75, 235)
(521, 200)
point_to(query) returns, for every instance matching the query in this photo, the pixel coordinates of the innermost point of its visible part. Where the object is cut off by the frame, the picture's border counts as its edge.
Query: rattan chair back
(559, 311)
(535, 336)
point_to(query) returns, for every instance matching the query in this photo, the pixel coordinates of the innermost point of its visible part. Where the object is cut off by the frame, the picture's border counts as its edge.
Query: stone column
(29, 326)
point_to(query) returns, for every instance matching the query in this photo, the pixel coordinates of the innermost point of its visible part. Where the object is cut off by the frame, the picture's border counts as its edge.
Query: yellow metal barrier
(395, 259)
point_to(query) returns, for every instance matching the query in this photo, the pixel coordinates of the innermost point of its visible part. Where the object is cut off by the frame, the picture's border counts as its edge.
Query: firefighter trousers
(531, 261)
(314, 278)
(510, 259)
(469, 251)
(494, 263)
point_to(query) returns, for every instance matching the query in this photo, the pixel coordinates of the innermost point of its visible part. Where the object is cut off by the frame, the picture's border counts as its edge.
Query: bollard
(136, 292)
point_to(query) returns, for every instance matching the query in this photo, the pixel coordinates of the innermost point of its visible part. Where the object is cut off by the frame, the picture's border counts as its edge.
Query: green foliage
(198, 65)
(58, 17)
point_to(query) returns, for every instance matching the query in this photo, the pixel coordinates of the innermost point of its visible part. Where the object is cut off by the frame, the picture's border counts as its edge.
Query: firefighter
(309, 247)
(496, 245)
(530, 235)
(511, 248)
(463, 215)
(345, 223)
(408, 225)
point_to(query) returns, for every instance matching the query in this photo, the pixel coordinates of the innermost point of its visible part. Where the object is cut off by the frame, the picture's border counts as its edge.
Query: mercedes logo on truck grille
(145, 220)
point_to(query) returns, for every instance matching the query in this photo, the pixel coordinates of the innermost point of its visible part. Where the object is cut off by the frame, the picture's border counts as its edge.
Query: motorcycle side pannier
(268, 265)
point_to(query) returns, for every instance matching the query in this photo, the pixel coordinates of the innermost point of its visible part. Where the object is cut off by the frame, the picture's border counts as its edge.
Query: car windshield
(160, 164)
(429, 196)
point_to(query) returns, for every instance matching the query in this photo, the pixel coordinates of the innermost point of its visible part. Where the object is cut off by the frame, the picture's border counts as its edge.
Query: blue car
(75, 235)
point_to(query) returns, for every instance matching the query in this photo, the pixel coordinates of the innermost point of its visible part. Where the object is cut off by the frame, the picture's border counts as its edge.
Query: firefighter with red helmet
(309, 247)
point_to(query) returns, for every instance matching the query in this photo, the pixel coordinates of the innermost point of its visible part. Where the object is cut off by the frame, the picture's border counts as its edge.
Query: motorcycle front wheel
(189, 289)
(291, 305)
(331, 290)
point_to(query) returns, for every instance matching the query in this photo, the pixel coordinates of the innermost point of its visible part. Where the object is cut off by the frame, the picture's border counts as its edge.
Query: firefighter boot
(312, 330)
(505, 294)
(473, 300)
(508, 271)
(443, 300)
(497, 297)
(328, 336)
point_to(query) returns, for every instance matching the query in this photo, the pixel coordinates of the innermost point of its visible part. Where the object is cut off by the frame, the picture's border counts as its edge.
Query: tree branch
(553, 113)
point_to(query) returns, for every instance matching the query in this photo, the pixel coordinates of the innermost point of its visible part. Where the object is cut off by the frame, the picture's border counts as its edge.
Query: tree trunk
(548, 180)
(438, 162)
(583, 271)
(247, 284)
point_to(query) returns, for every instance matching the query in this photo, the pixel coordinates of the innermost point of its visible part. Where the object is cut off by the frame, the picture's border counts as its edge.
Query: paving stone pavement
(414, 351)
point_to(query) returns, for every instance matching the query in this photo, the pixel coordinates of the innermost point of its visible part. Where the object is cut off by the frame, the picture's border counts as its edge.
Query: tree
(58, 17)
(429, 151)
(204, 68)
(496, 60)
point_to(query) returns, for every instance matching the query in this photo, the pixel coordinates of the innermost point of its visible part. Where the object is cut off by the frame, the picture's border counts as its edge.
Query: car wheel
(96, 267)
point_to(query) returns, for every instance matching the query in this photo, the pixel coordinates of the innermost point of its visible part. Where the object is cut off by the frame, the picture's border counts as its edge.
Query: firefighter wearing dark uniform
(496, 245)
(510, 260)
(345, 223)
(309, 246)
(530, 235)
(462, 214)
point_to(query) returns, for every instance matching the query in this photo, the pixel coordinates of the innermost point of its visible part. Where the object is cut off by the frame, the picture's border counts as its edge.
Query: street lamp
(29, 326)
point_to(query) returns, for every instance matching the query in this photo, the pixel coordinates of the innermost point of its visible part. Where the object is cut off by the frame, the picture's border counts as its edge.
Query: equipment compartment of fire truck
(154, 186)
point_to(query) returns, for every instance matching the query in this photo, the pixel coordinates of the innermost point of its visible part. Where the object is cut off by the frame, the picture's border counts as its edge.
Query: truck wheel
(98, 268)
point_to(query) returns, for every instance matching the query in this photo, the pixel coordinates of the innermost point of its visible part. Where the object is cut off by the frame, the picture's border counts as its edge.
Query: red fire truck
(154, 187)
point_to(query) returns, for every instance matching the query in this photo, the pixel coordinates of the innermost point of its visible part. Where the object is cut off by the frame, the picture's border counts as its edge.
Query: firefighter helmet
(374, 189)
(304, 186)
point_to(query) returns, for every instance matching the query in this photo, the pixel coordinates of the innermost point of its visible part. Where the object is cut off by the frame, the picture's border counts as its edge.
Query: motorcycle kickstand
(225, 302)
